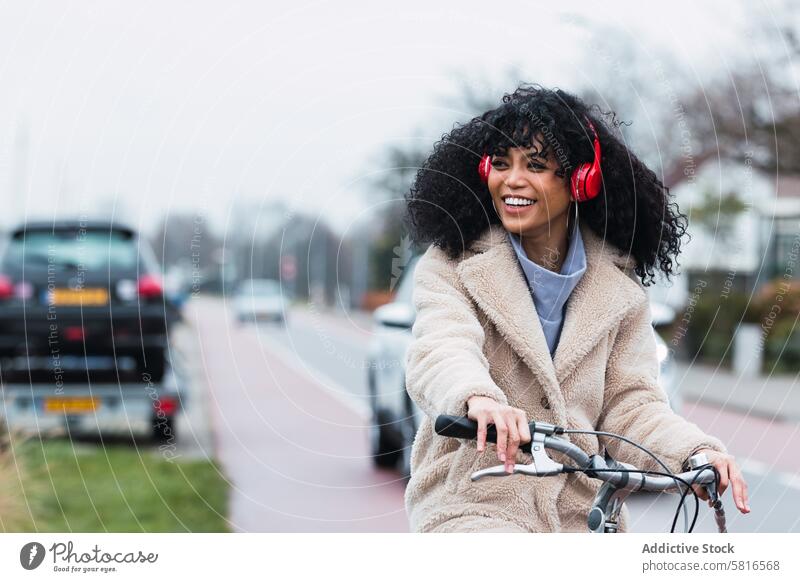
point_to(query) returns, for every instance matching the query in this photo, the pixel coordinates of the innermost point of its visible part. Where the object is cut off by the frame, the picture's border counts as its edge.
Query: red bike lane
(768, 444)
(296, 455)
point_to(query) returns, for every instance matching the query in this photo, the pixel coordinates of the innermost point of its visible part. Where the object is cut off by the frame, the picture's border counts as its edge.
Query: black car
(81, 307)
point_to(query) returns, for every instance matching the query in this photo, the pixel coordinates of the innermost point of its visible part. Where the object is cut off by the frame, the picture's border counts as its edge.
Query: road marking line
(755, 467)
(331, 386)
(761, 469)
(790, 480)
(317, 319)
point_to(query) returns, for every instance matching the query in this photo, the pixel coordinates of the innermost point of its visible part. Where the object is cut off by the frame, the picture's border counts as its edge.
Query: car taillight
(74, 333)
(149, 287)
(6, 288)
(166, 405)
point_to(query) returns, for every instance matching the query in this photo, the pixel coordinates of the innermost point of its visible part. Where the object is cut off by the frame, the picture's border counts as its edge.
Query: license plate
(71, 405)
(90, 296)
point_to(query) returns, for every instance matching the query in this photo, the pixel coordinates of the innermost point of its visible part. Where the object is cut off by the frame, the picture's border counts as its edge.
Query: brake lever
(541, 465)
(500, 471)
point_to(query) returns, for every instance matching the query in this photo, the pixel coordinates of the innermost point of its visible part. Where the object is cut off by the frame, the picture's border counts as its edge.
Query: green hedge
(711, 326)
(711, 323)
(782, 348)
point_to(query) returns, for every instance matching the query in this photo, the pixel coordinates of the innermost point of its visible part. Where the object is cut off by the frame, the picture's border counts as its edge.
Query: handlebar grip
(461, 427)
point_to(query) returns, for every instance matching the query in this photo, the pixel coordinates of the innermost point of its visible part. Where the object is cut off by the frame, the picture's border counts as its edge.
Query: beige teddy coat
(477, 333)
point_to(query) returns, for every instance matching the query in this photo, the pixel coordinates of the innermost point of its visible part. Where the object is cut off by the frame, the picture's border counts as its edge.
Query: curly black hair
(450, 207)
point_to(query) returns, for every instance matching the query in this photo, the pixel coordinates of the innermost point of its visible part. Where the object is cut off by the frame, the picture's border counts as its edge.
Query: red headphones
(585, 180)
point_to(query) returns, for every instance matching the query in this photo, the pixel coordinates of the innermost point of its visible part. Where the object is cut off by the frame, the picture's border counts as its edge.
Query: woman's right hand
(511, 425)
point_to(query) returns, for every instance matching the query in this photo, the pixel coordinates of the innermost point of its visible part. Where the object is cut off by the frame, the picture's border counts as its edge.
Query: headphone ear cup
(484, 167)
(587, 179)
(591, 177)
(577, 183)
(592, 181)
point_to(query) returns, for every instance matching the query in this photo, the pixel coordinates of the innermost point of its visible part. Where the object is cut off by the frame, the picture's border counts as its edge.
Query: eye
(498, 163)
(534, 165)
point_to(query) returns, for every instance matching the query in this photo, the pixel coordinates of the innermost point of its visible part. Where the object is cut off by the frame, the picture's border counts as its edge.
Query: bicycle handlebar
(621, 475)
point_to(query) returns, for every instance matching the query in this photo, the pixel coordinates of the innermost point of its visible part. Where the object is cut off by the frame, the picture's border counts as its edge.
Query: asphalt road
(289, 416)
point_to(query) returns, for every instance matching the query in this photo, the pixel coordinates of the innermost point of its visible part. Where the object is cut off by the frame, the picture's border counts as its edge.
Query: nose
(514, 178)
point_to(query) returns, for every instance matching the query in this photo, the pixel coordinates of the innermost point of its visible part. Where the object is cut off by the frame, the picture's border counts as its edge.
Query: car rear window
(77, 249)
(261, 287)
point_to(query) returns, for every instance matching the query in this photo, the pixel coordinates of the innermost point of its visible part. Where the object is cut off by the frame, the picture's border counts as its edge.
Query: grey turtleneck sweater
(551, 290)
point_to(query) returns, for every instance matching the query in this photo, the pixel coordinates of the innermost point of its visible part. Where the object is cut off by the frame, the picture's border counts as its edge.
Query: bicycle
(620, 479)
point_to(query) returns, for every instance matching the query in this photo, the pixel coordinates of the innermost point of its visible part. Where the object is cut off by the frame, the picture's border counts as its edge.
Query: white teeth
(518, 202)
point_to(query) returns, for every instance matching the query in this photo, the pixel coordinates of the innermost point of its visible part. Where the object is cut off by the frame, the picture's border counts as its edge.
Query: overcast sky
(167, 106)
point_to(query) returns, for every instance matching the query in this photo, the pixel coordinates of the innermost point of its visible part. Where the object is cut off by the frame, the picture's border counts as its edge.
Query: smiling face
(531, 199)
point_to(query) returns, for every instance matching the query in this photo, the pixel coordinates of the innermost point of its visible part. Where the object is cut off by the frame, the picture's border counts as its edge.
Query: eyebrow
(530, 155)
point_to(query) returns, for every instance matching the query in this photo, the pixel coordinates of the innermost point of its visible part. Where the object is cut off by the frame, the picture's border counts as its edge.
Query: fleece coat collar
(494, 280)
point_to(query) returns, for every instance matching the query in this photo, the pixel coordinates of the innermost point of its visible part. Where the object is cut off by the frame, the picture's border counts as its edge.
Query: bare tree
(678, 123)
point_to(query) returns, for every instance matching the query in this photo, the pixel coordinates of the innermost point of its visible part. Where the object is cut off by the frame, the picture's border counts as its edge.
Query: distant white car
(395, 417)
(260, 300)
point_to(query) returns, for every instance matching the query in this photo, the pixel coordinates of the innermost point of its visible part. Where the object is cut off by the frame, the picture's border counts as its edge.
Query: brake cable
(683, 495)
(688, 485)
(681, 502)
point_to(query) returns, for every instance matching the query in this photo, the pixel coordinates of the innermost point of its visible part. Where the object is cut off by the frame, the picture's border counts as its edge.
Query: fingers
(524, 429)
(513, 443)
(739, 487)
(724, 480)
(511, 427)
(730, 475)
(481, 432)
(502, 436)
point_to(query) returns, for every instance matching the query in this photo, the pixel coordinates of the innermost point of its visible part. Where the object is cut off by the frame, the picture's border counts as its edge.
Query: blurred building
(743, 225)
(780, 230)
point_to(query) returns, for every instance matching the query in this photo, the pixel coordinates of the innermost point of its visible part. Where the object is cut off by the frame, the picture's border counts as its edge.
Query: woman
(531, 305)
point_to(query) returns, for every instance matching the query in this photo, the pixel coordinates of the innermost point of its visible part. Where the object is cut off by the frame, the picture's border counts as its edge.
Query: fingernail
(503, 457)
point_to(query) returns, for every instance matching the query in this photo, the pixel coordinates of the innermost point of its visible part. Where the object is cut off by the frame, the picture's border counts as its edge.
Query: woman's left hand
(729, 473)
